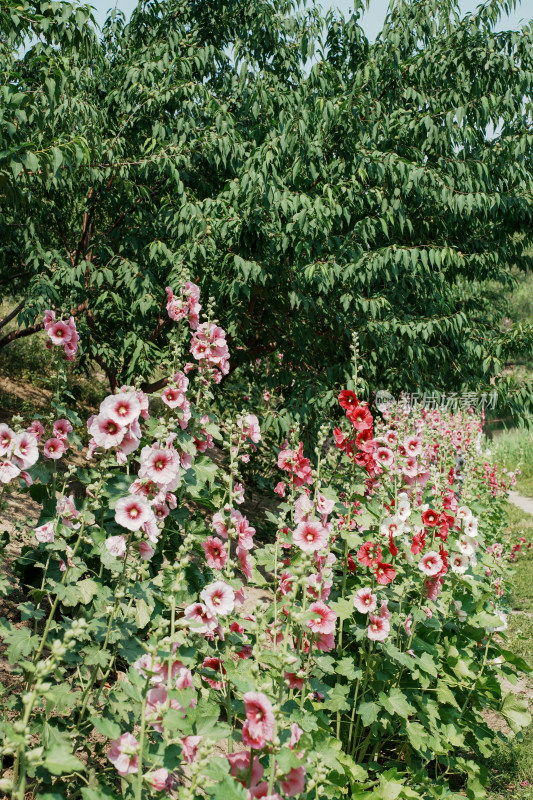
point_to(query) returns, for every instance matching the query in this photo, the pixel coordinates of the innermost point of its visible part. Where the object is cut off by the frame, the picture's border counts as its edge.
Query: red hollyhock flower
(362, 459)
(392, 547)
(352, 566)
(385, 573)
(340, 439)
(418, 543)
(360, 417)
(430, 518)
(369, 554)
(444, 556)
(348, 399)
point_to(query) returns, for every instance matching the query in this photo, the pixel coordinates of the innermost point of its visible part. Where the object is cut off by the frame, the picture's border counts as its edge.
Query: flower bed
(146, 664)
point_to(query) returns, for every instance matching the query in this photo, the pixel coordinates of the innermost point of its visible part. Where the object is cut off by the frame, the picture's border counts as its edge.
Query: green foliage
(315, 183)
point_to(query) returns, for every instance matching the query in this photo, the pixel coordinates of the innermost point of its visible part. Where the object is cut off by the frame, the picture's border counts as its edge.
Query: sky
(372, 20)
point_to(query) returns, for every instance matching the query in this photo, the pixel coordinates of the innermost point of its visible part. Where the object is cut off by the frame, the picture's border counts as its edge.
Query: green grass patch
(514, 448)
(511, 765)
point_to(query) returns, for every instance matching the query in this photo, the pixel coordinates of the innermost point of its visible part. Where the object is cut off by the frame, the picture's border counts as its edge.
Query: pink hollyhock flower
(364, 601)
(62, 428)
(294, 782)
(59, 333)
(280, 489)
(249, 424)
(7, 437)
(25, 450)
(384, 612)
(67, 510)
(433, 587)
(220, 525)
(391, 438)
(430, 564)
(303, 508)
(161, 780)
(369, 554)
(201, 617)
(219, 598)
(240, 768)
(54, 448)
(181, 381)
(408, 624)
(45, 533)
(379, 628)
(253, 741)
(49, 317)
(160, 510)
(151, 530)
(244, 530)
(325, 642)
(216, 665)
(245, 561)
(385, 573)
(123, 754)
(238, 491)
(105, 431)
(385, 456)
(259, 715)
(132, 512)
(172, 397)
(116, 545)
(410, 468)
(296, 734)
(158, 464)
(156, 704)
(36, 429)
(145, 550)
(189, 747)
(123, 408)
(310, 536)
(215, 553)
(413, 446)
(323, 505)
(326, 618)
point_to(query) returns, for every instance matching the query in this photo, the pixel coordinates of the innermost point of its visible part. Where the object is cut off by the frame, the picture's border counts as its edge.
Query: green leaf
(59, 761)
(516, 713)
(396, 703)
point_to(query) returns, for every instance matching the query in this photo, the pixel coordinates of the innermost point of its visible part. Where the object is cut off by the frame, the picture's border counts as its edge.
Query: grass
(514, 448)
(512, 764)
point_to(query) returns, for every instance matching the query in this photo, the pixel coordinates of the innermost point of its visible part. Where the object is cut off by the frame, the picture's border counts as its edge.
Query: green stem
(139, 784)
(56, 602)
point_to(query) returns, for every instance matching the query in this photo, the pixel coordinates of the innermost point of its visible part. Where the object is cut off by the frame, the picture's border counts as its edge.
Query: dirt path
(523, 503)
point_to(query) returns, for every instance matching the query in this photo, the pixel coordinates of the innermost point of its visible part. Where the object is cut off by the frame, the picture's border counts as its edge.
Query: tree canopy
(314, 183)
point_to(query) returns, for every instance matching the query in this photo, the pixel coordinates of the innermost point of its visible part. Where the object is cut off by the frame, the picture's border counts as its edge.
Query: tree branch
(13, 314)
